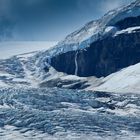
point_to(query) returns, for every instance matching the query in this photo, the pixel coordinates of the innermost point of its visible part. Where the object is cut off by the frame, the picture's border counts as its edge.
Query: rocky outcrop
(102, 58)
(128, 22)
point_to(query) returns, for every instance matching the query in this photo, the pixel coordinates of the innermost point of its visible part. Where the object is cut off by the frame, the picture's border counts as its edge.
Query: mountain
(108, 25)
(101, 47)
(113, 45)
(85, 58)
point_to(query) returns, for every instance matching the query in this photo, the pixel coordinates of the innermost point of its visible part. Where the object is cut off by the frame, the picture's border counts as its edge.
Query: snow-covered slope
(124, 81)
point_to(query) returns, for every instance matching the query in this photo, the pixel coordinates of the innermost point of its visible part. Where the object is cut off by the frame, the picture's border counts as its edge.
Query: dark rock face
(128, 22)
(102, 58)
(64, 62)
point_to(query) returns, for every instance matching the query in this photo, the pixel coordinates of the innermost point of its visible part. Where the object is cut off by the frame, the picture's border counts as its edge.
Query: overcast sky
(49, 20)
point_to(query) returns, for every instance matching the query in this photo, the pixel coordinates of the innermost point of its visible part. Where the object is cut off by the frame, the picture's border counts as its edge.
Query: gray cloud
(49, 19)
(107, 5)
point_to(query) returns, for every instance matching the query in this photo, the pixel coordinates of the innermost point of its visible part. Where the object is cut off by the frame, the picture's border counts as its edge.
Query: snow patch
(128, 30)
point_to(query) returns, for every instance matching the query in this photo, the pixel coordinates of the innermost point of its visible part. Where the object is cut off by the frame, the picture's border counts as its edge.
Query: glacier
(28, 111)
(67, 114)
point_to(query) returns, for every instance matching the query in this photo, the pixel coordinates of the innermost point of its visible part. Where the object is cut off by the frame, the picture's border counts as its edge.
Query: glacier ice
(59, 113)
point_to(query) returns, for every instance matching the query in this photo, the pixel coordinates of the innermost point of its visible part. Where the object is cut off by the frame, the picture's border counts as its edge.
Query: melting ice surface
(62, 114)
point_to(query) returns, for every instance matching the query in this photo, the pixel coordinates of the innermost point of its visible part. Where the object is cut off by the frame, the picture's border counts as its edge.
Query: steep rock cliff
(102, 58)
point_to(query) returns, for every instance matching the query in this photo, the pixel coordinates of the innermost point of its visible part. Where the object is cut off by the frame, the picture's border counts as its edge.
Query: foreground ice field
(64, 114)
